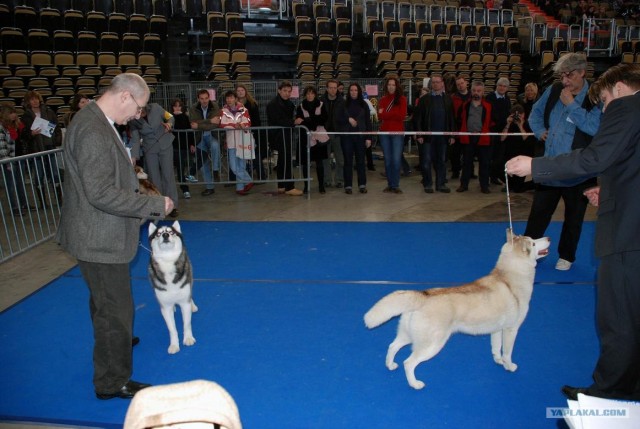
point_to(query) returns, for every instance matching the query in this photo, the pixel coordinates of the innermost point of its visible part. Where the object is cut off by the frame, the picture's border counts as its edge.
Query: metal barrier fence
(31, 187)
(30, 200)
(202, 158)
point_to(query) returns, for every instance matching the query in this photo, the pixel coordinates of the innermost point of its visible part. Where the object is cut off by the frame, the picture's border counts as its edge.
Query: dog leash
(142, 245)
(506, 184)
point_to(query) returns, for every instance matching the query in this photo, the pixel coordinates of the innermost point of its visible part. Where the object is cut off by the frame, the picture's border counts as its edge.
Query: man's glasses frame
(140, 108)
(568, 74)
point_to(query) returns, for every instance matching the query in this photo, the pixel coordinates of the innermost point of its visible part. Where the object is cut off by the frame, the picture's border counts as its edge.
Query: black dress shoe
(208, 192)
(135, 341)
(126, 392)
(572, 392)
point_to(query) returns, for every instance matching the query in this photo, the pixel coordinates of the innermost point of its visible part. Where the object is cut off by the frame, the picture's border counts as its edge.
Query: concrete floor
(20, 279)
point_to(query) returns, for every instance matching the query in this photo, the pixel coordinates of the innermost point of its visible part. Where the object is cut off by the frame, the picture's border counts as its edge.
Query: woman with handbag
(240, 143)
(312, 114)
(359, 120)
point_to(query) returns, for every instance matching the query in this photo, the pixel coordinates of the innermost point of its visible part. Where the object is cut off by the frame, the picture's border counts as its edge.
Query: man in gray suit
(614, 154)
(100, 225)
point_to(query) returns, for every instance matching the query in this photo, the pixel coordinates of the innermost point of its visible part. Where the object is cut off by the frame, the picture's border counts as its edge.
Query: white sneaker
(563, 265)
(186, 195)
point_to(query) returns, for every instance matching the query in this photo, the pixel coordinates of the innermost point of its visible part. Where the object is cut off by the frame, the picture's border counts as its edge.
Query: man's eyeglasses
(567, 74)
(137, 105)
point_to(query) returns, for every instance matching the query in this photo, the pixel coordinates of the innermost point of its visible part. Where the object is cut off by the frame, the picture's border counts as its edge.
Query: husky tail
(392, 305)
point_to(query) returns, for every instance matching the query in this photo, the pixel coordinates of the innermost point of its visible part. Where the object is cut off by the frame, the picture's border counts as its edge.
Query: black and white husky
(171, 276)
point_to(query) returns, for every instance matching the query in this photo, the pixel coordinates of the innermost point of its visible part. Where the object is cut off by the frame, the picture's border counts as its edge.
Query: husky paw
(498, 360)
(392, 366)
(173, 349)
(194, 307)
(189, 341)
(417, 384)
(510, 366)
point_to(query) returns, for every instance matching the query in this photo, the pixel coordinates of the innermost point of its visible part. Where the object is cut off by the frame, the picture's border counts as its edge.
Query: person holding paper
(41, 133)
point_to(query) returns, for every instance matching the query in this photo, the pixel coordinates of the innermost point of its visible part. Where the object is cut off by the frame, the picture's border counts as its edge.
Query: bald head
(125, 98)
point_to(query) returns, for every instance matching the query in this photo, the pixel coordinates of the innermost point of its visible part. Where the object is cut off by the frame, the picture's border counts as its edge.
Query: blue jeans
(14, 184)
(209, 145)
(392, 146)
(239, 167)
(46, 168)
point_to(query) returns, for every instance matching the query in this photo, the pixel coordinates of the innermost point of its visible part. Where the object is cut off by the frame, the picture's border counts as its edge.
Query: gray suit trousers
(111, 307)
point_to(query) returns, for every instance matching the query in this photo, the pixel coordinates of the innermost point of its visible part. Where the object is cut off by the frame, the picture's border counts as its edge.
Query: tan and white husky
(495, 304)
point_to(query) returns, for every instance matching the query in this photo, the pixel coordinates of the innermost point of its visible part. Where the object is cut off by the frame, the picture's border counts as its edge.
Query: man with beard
(475, 117)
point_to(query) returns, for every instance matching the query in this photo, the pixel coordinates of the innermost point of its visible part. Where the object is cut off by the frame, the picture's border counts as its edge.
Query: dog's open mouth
(543, 252)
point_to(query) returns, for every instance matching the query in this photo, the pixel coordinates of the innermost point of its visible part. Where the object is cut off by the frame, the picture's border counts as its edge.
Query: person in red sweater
(392, 111)
(475, 117)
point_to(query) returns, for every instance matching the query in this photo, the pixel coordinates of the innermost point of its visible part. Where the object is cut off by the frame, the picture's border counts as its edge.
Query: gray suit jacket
(102, 205)
(614, 154)
(154, 137)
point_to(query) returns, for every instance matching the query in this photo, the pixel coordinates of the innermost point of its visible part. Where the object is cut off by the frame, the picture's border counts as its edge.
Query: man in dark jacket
(280, 112)
(336, 113)
(613, 154)
(500, 111)
(434, 113)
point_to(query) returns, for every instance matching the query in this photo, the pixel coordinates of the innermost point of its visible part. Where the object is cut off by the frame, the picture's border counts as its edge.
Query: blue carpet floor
(280, 327)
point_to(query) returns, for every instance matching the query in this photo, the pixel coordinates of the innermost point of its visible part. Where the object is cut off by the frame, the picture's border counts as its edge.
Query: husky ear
(152, 228)
(176, 226)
